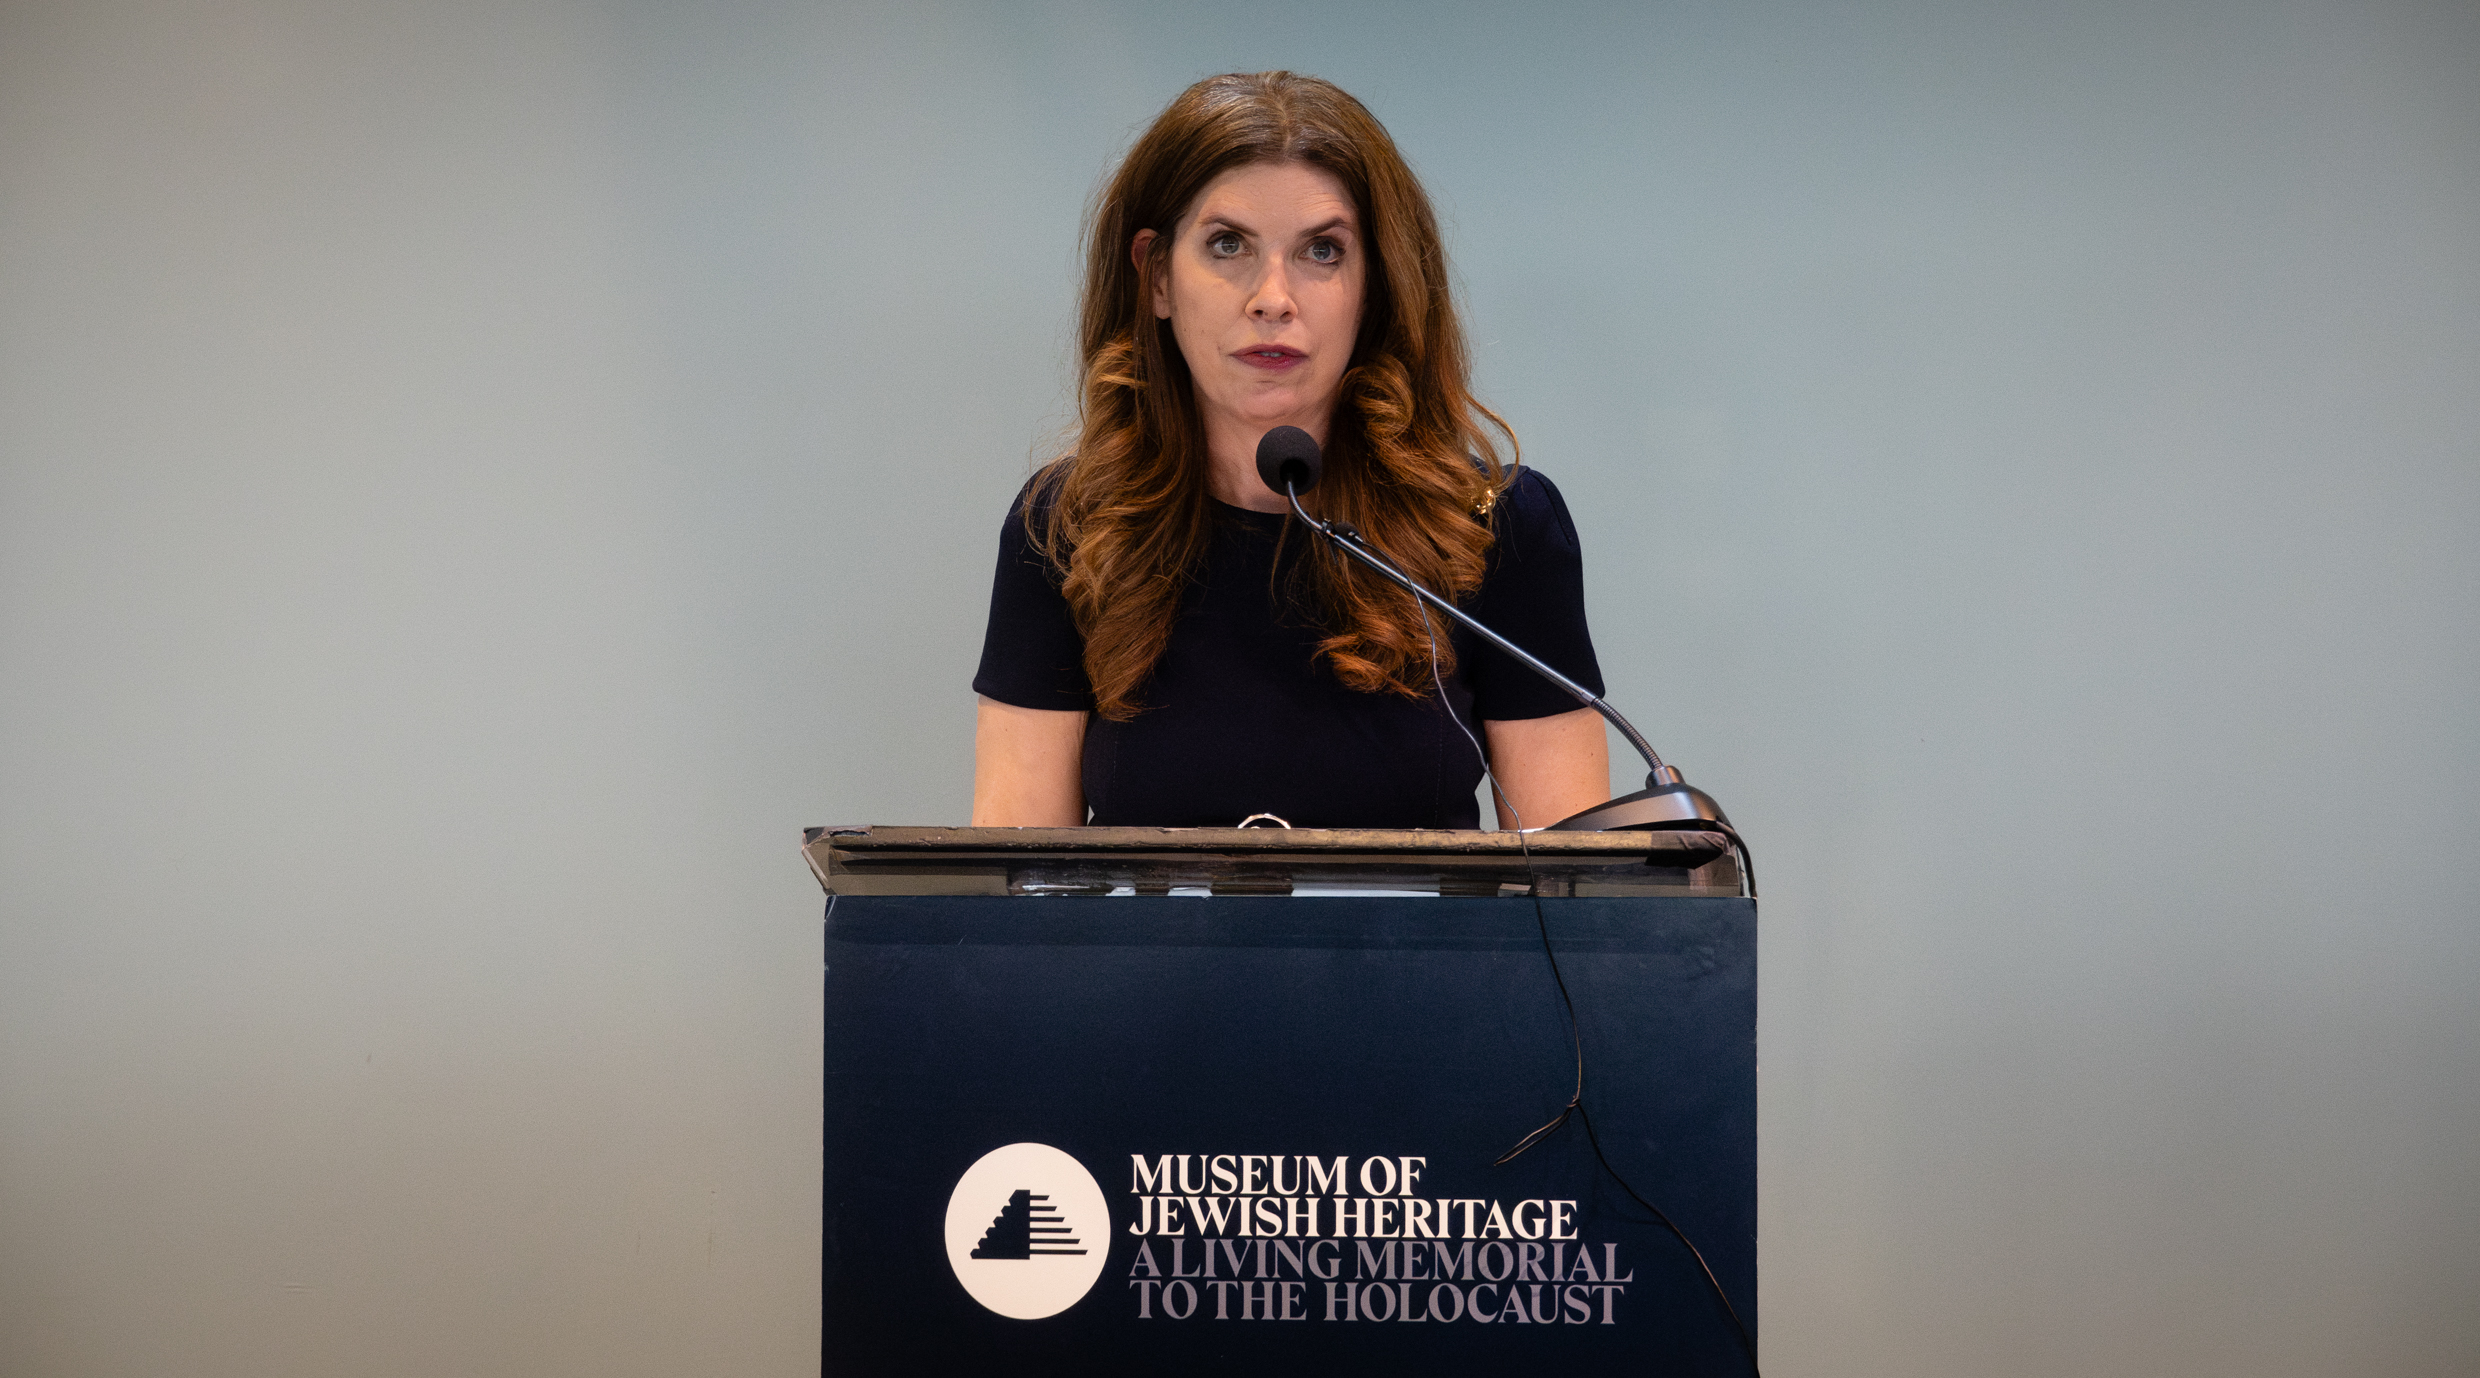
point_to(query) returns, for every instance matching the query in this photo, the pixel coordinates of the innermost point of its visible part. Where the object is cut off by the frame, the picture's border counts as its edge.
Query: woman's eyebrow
(1215, 221)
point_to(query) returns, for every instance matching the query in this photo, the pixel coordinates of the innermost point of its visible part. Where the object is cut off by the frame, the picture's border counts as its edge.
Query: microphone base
(1671, 804)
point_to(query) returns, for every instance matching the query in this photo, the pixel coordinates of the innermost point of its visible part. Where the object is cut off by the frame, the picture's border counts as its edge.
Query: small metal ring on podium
(1257, 819)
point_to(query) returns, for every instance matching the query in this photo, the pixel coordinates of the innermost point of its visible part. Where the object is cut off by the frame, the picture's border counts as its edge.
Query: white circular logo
(1028, 1231)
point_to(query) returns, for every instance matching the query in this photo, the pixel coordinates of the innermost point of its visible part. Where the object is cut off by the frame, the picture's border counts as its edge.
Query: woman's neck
(1231, 459)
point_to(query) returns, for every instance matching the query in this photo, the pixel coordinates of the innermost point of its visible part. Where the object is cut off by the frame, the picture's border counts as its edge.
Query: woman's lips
(1272, 358)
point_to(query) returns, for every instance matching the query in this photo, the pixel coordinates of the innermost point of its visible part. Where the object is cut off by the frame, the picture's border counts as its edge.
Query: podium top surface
(877, 859)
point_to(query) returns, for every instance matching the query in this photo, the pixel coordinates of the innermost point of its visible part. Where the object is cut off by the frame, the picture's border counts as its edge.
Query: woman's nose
(1272, 301)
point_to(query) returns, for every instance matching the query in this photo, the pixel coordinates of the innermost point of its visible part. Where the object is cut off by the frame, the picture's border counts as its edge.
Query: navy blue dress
(1241, 717)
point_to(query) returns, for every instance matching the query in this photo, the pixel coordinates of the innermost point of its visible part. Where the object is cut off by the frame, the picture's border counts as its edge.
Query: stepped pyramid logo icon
(1045, 1248)
(1027, 1227)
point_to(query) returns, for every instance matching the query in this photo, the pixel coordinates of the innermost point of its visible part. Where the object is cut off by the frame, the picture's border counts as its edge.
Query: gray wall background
(475, 480)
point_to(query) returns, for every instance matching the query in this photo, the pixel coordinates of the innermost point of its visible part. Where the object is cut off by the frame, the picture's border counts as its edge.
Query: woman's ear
(1138, 248)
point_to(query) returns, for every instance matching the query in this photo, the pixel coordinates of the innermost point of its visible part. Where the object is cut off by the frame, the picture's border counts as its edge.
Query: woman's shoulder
(1033, 512)
(1025, 535)
(1529, 512)
(1040, 490)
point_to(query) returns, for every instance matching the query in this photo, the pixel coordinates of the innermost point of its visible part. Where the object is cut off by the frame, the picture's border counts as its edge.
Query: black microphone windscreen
(1287, 453)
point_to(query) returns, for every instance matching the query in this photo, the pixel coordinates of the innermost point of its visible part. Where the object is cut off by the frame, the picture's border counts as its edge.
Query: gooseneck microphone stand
(1288, 462)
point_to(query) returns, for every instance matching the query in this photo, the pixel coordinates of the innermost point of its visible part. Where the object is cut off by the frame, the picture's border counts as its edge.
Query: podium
(1212, 1100)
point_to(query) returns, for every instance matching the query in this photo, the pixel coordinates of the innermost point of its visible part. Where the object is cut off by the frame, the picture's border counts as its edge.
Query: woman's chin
(1288, 406)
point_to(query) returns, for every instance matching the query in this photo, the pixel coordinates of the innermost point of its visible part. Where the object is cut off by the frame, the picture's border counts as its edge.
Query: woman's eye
(1225, 244)
(1325, 251)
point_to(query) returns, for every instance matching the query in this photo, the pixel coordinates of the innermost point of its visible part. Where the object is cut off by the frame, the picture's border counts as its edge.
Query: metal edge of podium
(878, 859)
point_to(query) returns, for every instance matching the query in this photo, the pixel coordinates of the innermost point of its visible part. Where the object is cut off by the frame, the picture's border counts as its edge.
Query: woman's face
(1264, 295)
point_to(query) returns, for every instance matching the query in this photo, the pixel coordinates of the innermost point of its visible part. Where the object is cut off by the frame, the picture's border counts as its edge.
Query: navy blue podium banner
(1241, 1134)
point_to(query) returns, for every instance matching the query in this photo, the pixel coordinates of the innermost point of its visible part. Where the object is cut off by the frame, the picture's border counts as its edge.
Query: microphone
(1288, 462)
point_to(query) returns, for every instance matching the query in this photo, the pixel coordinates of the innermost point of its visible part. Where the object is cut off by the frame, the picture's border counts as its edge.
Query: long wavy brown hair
(1409, 457)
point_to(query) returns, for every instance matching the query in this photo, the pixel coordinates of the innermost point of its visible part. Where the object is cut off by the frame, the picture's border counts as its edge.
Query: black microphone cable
(1575, 1033)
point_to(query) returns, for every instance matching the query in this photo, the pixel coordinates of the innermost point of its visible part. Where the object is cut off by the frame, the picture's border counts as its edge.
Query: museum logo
(1027, 1231)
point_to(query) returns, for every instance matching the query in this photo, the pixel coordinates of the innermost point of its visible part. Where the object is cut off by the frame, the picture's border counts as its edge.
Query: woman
(1166, 647)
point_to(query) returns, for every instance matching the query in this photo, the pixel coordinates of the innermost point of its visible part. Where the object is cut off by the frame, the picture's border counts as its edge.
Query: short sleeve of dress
(1532, 593)
(1032, 656)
